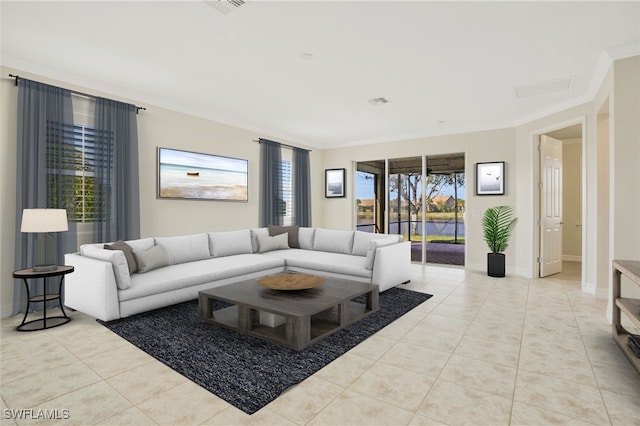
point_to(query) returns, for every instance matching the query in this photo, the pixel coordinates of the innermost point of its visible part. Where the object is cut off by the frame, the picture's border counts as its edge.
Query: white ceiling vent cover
(546, 87)
(224, 6)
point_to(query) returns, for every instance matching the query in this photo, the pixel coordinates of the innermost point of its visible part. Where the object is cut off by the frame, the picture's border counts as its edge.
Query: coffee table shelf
(309, 315)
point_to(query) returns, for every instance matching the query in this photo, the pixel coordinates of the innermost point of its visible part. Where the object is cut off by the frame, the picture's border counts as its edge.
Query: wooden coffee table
(310, 314)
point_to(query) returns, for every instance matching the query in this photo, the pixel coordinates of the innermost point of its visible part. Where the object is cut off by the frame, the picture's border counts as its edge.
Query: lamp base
(45, 258)
(45, 268)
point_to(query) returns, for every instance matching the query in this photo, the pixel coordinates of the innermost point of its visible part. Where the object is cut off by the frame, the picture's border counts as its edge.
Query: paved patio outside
(445, 253)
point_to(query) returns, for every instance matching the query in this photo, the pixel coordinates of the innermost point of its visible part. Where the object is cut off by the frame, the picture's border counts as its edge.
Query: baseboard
(6, 310)
(570, 258)
(589, 288)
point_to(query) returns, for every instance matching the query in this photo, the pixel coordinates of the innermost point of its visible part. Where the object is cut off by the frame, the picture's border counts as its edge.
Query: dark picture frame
(490, 178)
(198, 176)
(334, 183)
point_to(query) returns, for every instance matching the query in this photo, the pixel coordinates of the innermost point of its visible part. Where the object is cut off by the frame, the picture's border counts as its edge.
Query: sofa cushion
(154, 258)
(229, 243)
(183, 275)
(346, 264)
(141, 243)
(305, 237)
(277, 242)
(254, 237)
(292, 231)
(361, 241)
(128, 254)
(374, 244)
(187, 248)
(333, 241)
(115, 257)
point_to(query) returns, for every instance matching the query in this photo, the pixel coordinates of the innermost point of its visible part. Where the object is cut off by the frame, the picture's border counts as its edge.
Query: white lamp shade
(44, 220)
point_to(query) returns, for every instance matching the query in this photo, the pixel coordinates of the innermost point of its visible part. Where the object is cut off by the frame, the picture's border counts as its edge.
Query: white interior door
(550, 206)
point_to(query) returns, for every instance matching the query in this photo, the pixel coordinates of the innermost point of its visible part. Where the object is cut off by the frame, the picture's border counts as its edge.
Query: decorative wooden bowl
(291, 281)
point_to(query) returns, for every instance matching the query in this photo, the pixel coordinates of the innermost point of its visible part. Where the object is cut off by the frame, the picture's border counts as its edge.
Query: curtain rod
(284, 145)
(75, 92)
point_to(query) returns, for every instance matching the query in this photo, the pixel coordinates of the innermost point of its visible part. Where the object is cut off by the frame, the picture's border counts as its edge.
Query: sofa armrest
(91, 288)
(392, 265)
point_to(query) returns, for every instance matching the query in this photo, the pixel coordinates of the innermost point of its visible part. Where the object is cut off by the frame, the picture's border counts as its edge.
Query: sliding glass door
(370, 196)
(420, 198)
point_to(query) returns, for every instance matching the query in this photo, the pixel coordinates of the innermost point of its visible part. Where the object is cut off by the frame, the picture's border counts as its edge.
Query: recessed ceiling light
(378, 101)
(551, 86)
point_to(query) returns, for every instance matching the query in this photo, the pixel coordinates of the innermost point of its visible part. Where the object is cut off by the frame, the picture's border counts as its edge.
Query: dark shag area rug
(245, 371)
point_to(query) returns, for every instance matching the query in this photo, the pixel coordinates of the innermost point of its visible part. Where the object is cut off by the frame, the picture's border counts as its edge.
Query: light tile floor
(482, 351)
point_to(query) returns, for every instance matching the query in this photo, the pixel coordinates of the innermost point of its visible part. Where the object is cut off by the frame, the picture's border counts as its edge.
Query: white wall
(624, 160)
(8, 150)
(571, 200)
(601, 263)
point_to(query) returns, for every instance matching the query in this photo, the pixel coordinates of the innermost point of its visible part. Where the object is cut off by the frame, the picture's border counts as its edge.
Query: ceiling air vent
(224, 6)
(378, 101)
(546, 87)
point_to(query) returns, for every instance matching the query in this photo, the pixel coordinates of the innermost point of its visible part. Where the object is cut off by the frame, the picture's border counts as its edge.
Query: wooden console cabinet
(628, 306)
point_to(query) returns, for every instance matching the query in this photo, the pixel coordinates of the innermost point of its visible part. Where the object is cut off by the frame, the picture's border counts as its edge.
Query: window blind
(78, 158)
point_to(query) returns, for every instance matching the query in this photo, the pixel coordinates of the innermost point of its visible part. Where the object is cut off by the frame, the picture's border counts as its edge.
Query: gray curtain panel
(117, 134)
(42, 109)
(271, 197)
(301, 187)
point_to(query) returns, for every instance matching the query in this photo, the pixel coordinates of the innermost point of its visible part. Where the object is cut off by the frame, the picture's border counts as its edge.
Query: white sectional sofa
(151, 273)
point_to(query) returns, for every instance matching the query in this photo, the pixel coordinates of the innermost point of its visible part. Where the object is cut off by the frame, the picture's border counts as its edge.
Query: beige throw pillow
(267, 243)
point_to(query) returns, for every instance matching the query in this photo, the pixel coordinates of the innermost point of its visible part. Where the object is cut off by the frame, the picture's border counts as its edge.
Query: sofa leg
(406, 282)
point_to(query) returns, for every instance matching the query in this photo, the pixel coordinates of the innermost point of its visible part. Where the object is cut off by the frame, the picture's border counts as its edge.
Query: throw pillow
(277, 242)
(254, 237)
(185, 248)
(128, 254)
(333, 241)
(291, 230)
(154, 258)
(228, 243)
(373, 246)
(305, 237)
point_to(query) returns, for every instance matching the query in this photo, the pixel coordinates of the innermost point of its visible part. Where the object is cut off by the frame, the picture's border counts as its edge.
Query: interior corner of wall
(5, 310)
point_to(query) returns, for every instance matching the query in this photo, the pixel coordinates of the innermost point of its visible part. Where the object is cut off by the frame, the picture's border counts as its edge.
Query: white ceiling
(445, 67)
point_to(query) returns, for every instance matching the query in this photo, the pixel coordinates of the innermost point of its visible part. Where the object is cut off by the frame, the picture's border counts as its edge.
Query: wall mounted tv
(197, 176)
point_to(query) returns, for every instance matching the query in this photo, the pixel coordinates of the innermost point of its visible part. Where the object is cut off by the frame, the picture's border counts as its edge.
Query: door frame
(535, 140)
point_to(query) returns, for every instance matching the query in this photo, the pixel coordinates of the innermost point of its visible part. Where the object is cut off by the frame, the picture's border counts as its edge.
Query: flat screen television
(198, 176)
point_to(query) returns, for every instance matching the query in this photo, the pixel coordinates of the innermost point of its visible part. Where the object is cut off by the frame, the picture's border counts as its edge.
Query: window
(285, 207)
(74, 155)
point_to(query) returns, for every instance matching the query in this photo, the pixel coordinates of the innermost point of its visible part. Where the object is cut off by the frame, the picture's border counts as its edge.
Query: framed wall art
(334, 183)
(198, 176)
(490, 178)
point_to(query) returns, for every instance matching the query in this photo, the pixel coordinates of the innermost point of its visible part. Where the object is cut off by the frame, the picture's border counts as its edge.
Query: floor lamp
(44, 221)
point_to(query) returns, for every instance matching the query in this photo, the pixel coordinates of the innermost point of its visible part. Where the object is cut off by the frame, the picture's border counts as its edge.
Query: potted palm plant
(498, 224)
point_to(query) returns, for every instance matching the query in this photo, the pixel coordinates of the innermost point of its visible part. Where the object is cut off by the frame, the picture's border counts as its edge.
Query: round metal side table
(44, 322)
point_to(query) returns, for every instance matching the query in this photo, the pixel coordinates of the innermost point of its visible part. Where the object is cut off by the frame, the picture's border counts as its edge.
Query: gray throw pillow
(291, 230)
(128, 254)
(154, 258)
(277, 242)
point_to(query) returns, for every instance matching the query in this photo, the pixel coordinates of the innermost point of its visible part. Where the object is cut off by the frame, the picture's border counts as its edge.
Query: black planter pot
(495, 264)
